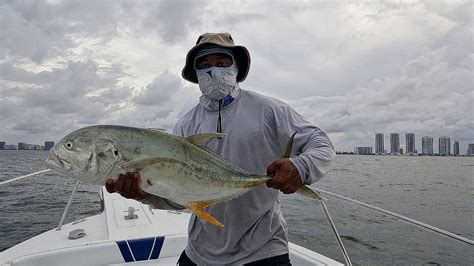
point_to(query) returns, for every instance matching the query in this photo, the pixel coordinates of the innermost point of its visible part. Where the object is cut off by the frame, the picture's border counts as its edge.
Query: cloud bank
(354, 69)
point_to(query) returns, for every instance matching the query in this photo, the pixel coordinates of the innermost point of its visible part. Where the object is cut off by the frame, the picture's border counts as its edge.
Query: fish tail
(308, 192)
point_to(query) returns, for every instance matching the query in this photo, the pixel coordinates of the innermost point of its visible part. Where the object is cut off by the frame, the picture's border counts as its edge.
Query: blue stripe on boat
(141, 248)
(157, 249)
(127, 256)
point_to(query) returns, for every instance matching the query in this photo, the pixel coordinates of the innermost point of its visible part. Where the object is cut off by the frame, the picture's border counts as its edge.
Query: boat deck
(125, 233)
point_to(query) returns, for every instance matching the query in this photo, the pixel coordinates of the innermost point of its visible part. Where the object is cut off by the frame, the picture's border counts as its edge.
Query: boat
(125, 232)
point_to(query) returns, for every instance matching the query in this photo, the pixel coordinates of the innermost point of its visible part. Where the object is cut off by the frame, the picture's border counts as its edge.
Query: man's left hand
(286, 176)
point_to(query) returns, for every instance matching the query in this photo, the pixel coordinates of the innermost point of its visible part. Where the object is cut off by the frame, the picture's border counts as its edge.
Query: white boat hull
(154, 237)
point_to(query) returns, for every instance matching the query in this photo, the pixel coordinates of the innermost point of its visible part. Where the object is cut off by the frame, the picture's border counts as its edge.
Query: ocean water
(434, 190)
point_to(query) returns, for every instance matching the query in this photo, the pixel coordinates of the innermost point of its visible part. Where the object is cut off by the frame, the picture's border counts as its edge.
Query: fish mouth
(59, 163)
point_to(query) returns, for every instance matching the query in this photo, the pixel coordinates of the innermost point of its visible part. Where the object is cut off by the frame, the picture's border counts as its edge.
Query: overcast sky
(353, 69)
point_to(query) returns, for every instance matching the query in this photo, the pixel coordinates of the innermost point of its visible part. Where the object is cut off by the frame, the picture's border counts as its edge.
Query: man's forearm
(315, 157)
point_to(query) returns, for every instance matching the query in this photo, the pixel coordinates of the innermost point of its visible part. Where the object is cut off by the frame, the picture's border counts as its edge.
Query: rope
(24, 176)
(410, 220)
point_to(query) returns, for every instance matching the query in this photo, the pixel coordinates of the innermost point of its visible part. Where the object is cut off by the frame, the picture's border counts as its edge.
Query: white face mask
(217, 82)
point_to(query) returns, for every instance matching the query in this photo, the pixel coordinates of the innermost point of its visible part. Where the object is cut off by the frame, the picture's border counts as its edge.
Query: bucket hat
(224, 40)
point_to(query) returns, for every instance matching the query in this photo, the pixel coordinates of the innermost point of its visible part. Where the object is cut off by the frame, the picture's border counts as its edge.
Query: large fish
(176, 168)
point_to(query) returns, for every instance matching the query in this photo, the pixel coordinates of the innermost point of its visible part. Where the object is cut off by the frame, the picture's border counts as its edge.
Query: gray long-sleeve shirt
(257, 129)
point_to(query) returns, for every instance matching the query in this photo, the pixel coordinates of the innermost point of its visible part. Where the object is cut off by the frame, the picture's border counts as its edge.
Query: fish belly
(183, 185)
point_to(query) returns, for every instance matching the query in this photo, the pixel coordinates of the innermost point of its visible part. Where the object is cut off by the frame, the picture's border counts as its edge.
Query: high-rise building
(470, 149)
(379, 143)
(21, 145)
(394, 143)
(363, 150)
(10, 147)
(456, 148)
(410, 143)
(2, 145)
(427, 145)
(48, 145)
(444, 145)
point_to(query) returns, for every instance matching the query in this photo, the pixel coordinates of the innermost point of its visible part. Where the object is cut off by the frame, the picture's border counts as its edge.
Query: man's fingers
(286, 177)
(127, 187)
(110, 185)
(276, 182)
(119, 184)
(135, 189)
(271, 169)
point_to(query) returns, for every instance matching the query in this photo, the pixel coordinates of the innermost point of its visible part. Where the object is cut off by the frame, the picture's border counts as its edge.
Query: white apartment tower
(427, 145)
(444, 144)
(379, 143)
(456, 148)
(394, 143)
(410, 143)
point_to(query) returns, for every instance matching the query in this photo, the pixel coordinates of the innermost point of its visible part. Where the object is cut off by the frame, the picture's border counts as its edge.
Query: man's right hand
(127, 185)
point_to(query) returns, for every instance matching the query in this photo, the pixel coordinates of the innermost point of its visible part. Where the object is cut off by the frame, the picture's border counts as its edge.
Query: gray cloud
(161, 103)
(59, 99)
(174, 20)
(427, 97)
(352, 68)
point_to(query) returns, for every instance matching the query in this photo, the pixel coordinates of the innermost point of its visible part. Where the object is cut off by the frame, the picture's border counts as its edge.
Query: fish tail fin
(289, 147)
(198, 209)
(308, 192)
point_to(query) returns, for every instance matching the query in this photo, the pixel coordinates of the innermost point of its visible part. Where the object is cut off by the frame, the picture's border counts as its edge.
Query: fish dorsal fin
(202, 139)
(142, 163)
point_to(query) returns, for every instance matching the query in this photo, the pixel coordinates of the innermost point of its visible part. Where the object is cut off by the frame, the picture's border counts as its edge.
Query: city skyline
(427, 145)
(26, 146)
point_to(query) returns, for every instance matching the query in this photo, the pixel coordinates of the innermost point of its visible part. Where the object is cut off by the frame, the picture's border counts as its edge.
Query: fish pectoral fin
(142, 163)
(202, 139)
(198, 208)
(307, 192)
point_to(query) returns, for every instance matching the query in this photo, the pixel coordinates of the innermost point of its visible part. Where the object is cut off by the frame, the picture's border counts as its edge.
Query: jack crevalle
(176, 168)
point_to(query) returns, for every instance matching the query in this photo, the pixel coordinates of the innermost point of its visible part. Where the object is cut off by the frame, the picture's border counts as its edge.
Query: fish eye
(68, 145)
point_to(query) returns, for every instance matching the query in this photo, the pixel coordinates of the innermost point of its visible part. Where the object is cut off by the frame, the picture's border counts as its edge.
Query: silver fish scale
(181, 171)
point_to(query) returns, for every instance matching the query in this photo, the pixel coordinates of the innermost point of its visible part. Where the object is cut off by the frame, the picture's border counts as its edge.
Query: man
(256, 129)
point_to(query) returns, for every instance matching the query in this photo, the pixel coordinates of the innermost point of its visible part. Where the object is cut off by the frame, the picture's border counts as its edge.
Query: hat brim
(241, 56)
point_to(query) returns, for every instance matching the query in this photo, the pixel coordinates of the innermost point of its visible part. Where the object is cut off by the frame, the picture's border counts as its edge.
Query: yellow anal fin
(198, 208)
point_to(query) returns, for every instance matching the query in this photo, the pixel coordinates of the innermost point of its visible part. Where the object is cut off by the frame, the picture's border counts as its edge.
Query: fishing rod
(410, 220)
(24, 176)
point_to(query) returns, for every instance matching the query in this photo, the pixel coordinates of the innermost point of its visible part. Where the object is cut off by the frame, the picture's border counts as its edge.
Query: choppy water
(435, 190)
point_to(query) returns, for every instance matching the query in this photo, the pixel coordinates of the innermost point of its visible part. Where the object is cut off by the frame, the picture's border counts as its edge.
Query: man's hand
(286, 176)
(126, 185)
